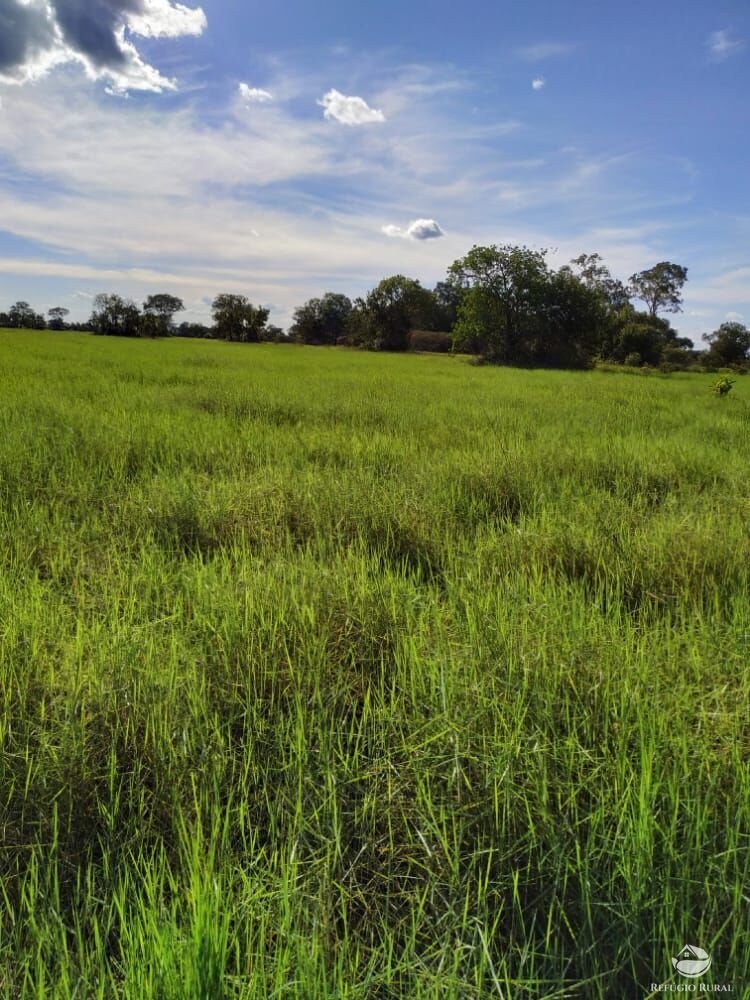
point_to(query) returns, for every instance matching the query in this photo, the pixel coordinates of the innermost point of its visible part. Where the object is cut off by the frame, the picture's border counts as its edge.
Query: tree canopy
(321, 321)
(660, 287)
(236, 318)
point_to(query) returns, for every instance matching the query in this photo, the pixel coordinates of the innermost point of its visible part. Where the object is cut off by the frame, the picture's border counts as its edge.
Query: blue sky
(289, 150)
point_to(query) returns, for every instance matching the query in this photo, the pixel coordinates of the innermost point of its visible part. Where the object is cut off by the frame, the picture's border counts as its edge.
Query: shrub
(430, 340)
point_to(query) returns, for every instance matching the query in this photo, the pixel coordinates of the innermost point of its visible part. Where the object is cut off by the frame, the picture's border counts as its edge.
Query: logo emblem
(692, 962)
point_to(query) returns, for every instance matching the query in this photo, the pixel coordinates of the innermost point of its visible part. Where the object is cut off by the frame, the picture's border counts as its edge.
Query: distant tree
(321, 321)
(504, 301)
(729, 345)
(22, 317)
(114, 316)
(660, 287)
(647, 336)
(272, 334)
(383, 320)
(197, 330)
(237, 319)
(158, 314)
(57, 317)
(448, 298)
(573, 317)
(594, 274)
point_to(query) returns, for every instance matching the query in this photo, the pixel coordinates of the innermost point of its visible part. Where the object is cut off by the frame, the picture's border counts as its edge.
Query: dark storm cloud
(23, 32)
(90, 27)
(40, 34)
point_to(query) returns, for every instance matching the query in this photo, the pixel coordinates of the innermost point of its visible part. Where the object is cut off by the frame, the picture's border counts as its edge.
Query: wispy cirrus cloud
(349, 110)
(38, 35)
(254, 95)
(545, 50)
(723, 44)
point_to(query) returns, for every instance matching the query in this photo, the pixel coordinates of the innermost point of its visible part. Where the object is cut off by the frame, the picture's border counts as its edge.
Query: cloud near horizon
(349, 110)
(38, 35)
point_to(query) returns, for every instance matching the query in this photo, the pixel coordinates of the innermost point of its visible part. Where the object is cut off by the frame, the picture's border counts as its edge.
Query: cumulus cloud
(349, 110)
(162, 19)
(538, 83)
(420, 229)
(723, 44)
(37, 35)
(254, 95)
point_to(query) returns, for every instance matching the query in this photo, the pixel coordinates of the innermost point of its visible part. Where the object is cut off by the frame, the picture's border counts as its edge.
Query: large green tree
(159, 312)
(22, 316)
(115, 316)
(503, 301)
(321, 321)
(729, 345)
(660, 287)
(236, 318)
(383, 320)
(56, 317)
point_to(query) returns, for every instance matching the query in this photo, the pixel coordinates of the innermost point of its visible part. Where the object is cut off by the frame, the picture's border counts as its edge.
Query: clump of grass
(330, 674)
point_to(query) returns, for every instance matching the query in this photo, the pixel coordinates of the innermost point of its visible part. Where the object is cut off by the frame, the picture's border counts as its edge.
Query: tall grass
(334, 675)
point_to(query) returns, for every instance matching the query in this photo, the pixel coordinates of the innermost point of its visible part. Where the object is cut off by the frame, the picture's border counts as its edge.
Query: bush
(430, 340)
(633, 360)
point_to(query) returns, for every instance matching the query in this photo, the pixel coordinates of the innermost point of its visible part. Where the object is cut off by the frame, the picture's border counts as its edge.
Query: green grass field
(327, 674)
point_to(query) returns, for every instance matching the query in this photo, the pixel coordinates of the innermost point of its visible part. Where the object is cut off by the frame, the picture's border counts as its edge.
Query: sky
(282, 151)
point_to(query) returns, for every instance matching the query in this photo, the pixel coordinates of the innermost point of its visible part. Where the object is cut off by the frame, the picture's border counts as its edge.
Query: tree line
(504, 304)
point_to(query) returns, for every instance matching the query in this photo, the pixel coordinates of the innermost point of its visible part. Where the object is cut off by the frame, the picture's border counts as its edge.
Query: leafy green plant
(723, 386)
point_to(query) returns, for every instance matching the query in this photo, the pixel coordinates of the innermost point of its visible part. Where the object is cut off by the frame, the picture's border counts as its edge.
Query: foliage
(383, 320)
(503, 301)
(272, 334)
(516, 310)
(236, 318)
(197, 331)
(595, 274)
(660, 287)
(56, 317)
(723, 386)
(21, 316)
(115, 316)
(448, 296)
(321, 321)
(430, 341)
(729, 345)
(328, 674)
(158, 314)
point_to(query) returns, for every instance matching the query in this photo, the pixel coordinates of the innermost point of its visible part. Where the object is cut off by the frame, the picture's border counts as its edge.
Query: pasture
(331, 674)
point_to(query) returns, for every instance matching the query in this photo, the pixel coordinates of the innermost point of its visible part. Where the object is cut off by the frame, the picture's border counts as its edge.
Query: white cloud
(420, 229)
(162, 19)
(349, 110)
(538, 83)
(735, 317)
(545, 50)
(723, 44)
(254, 95)
(138, 197)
